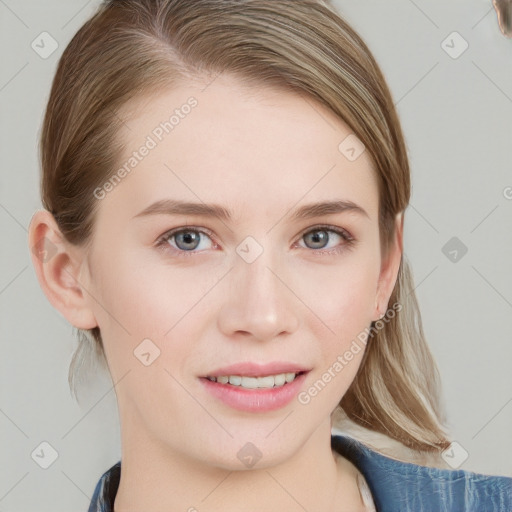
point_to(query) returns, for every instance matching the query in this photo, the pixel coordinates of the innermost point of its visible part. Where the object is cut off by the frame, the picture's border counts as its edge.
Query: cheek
(344, 299)
(129, 308)
(346, 308)
(342, 295)
(140, 298)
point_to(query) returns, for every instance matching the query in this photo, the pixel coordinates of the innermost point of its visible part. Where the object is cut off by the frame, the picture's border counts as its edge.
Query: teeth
(270, 381)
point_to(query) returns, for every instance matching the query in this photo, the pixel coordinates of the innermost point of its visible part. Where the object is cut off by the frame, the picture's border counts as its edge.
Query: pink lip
(251, 369)
(254, 400)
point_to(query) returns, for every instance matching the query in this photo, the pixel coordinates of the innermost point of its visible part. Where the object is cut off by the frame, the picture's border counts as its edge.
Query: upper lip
(251, 369)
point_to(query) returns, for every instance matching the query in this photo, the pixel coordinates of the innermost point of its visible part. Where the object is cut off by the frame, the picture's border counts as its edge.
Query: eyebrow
(177, 207)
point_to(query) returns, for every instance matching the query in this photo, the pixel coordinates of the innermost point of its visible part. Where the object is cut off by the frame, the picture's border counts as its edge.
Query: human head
(133, 50)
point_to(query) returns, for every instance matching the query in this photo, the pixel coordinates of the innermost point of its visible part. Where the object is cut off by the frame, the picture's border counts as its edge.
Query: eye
(320, 237)
(186, 240)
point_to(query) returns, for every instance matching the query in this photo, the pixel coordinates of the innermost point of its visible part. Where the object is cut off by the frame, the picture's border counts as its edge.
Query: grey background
(456, 116)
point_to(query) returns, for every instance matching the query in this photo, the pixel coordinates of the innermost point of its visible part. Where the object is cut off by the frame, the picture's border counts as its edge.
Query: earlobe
(57, 265)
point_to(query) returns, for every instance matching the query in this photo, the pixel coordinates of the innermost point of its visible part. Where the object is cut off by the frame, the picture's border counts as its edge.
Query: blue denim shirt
(396, 486)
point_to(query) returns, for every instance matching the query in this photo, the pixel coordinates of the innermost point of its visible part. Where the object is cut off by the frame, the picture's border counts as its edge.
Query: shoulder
(424, 488)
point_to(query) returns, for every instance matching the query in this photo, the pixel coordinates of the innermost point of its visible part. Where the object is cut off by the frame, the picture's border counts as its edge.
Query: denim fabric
(403, 487)
(395, 486)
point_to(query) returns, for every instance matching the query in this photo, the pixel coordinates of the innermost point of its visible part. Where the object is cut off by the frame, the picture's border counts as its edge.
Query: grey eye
(187, 240)
(318, 238)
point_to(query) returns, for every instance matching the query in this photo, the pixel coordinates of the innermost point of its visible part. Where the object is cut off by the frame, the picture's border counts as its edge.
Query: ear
(389, 270)
(58, 265)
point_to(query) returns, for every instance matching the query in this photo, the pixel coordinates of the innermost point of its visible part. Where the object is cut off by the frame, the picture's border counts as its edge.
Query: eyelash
(349, 240)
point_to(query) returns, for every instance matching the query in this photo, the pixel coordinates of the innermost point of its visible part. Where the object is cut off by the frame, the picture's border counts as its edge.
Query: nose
(258, 304)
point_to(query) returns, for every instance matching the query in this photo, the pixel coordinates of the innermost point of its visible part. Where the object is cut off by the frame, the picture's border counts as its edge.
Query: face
(179, 293)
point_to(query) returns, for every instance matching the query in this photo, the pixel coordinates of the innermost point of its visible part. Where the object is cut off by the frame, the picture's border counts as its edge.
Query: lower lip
(255, 400)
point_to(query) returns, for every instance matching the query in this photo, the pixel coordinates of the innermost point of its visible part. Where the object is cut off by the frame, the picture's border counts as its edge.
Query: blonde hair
(131, 48)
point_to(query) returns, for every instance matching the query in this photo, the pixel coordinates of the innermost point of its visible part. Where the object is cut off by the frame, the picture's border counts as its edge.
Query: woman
(224, 185)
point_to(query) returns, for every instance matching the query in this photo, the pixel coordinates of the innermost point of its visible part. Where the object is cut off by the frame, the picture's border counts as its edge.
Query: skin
(180, 444)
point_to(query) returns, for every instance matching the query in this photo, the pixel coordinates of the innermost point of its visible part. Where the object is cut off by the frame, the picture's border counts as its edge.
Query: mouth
(260, 392)
(254, 382)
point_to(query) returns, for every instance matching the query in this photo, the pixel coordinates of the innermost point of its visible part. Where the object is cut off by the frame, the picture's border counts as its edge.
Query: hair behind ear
(87, 357)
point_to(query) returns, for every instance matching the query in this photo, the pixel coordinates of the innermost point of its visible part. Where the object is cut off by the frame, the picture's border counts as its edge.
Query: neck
(156, 477)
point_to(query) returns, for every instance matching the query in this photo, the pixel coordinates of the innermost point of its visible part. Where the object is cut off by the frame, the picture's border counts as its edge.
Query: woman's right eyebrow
(178, 207)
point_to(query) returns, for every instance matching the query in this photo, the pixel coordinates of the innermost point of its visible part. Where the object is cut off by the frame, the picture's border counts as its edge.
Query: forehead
(250, 148)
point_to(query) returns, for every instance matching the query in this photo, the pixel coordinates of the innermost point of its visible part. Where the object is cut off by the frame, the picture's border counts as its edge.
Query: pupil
(189, 238)
(319, 237)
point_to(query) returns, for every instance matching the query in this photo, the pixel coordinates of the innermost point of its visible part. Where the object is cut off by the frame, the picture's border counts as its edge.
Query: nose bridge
(256, 276)
(258, 303)
(259, 289)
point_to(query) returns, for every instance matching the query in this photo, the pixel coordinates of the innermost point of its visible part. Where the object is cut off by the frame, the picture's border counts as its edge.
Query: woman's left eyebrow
(178, 207)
